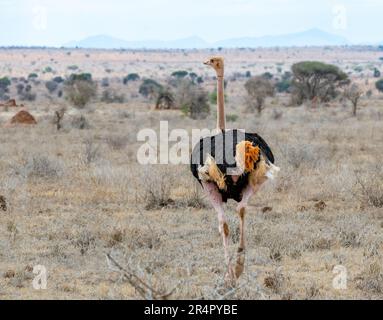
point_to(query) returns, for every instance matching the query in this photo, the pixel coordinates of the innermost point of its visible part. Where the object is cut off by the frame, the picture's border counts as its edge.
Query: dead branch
(147, 292)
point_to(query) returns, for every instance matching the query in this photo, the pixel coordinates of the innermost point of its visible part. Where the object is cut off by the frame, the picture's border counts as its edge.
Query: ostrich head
(217, 64)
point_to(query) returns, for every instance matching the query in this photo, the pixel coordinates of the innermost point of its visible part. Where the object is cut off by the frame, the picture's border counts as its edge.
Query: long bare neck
(221, 121)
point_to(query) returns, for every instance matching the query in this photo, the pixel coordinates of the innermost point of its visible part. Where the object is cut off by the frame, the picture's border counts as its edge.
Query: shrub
(58, 79)
(3, 95)
(165, 100)
(105, 82)
(79, 77)
(131, 77)
(371, 279)
(180, 74)
(156, 192)
(80, 89)
(91, 151)
(193, 76)
(5, 83)
(80, 122)
(192, 100)
(231, 117)
(28, 96)
(33, 76)
(39, 166)
(379, 85)
(313, 79)
(267, 75)
(377, 73)
(353, 93)
(149, 88)
(258, 89)
(48, 70)
(284, 84)
(25, 92)
(72, 67)
(370, 188)
(117, 142)
(51, 86)
(111, 96)
(20, 88)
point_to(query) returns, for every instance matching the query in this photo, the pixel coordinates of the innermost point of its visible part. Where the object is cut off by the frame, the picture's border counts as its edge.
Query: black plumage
(216, 146)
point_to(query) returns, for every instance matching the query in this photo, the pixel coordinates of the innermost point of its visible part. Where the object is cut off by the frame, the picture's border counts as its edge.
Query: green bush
(87, 77)
(267, 76)
(180, 74)
(5, 83)
(33, 76)
(379, 85)
(48, 70)
(51, 86)
(131, 77)
(58, 79)
(284, 84)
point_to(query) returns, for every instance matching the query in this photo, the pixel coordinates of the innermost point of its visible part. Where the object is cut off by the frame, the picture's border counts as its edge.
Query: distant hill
(312, 37)
(107, 42)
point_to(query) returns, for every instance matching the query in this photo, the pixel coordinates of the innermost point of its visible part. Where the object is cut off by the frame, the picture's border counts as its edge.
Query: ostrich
(231, 164)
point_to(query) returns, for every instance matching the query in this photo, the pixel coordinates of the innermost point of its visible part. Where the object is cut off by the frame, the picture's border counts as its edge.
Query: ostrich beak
(207, 63)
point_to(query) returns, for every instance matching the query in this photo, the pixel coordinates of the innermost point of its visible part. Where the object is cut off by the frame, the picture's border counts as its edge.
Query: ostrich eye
(211, 60)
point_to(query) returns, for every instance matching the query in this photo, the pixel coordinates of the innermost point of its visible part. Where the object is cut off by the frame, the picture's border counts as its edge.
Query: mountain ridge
(311, 37)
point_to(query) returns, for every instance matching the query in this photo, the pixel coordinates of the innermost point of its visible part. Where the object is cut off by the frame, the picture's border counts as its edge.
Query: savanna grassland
(71, 196)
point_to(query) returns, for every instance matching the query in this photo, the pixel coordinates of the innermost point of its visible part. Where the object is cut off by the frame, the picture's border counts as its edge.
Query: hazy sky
(55, 22)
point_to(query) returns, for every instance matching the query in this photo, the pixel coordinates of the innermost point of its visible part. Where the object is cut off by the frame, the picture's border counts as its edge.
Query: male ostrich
(231, 165)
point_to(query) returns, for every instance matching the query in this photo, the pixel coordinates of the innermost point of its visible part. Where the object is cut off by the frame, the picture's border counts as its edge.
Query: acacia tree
(313, 80)
(353, 93)
(258, 89)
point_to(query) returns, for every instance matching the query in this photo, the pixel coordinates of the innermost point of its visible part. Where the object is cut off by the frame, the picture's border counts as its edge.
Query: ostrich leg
(240, 262)
(217, 203)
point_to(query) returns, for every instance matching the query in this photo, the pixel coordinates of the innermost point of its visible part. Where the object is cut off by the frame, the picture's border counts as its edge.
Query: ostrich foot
(230, 278)
(240, 264)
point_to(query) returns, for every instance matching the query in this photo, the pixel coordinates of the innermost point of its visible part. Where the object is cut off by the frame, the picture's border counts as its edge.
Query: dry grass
(69, 197)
